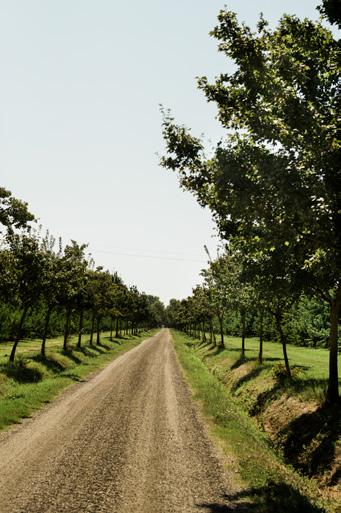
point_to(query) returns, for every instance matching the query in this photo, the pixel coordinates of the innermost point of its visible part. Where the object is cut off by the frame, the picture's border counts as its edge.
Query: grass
(267, 483)
(32, 381)
(310, 366)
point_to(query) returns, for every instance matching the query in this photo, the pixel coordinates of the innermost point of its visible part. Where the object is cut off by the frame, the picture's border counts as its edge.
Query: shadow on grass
(113, 340)
(310, 440)
(213, 351)
(21, 372)
(241, 361)
(299, 385)
(190, 344)
(74, 377)
(105, 346)
(272, 498)
(199, 344)
(264, 397)
(282, 385)
(50, 363)
(244, 379)
(86, 351)
(99, 349)
(70, 353)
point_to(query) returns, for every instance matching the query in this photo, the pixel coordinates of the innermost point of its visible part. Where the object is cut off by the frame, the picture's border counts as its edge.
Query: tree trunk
(243, 332)
(46, 326)
(283, 340)
(203, 332)
(116, 329)
(80, 328)
(221, 326)
(98, 336)
(92, 328)
(212, 341)
(67, 328)
(18, 335)
(332, 396)
(260, 354)
(111, 328)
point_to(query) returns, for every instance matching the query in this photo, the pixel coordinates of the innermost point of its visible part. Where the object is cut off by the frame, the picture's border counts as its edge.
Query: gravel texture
(130, 440)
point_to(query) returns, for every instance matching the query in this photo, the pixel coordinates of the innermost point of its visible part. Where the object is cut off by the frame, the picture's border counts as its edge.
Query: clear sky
(80, 127)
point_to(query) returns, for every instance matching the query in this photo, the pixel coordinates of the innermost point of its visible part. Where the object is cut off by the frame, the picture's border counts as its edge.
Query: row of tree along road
(47, 289)
(273, 183)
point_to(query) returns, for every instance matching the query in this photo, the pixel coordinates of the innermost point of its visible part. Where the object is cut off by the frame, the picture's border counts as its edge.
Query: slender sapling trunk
(92, 328)
(260, 354)
(19, 334)
(283, 340)
(243, 332)
(46, 327)
(80, 328)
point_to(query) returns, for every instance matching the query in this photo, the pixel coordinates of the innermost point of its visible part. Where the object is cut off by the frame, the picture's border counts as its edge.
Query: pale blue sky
(81, 81)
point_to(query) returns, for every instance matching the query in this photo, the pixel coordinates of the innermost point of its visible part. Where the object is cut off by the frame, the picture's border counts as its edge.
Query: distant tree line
(48, 290)
(229, 303)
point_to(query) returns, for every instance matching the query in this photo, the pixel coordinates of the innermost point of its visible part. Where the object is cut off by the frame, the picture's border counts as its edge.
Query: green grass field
(267, 484)
(31, 381)
(310, 366)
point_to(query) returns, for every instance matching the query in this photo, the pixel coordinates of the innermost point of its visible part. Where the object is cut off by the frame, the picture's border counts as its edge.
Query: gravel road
(130, 440)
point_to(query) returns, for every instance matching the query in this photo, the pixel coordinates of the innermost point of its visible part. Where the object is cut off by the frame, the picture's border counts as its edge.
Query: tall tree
(276, 181)
(72, 277)
(29, 268)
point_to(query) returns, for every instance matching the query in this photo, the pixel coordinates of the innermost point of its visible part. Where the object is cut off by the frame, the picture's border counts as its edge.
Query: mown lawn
(310, 366)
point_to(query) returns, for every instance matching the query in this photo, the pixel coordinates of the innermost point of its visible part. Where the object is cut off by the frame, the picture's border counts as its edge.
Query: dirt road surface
(130, 440)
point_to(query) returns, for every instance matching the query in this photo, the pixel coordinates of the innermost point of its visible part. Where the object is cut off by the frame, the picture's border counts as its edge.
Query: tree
(51, 283)
(203, 310)
(13, 212)
(29, 268)
(102, 299)
(72, 280)
(219, 293)
(275, 182)
(331, 9)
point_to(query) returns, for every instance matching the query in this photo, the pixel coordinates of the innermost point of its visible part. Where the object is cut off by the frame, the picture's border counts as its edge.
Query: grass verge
(32, 381)
(268, 485)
